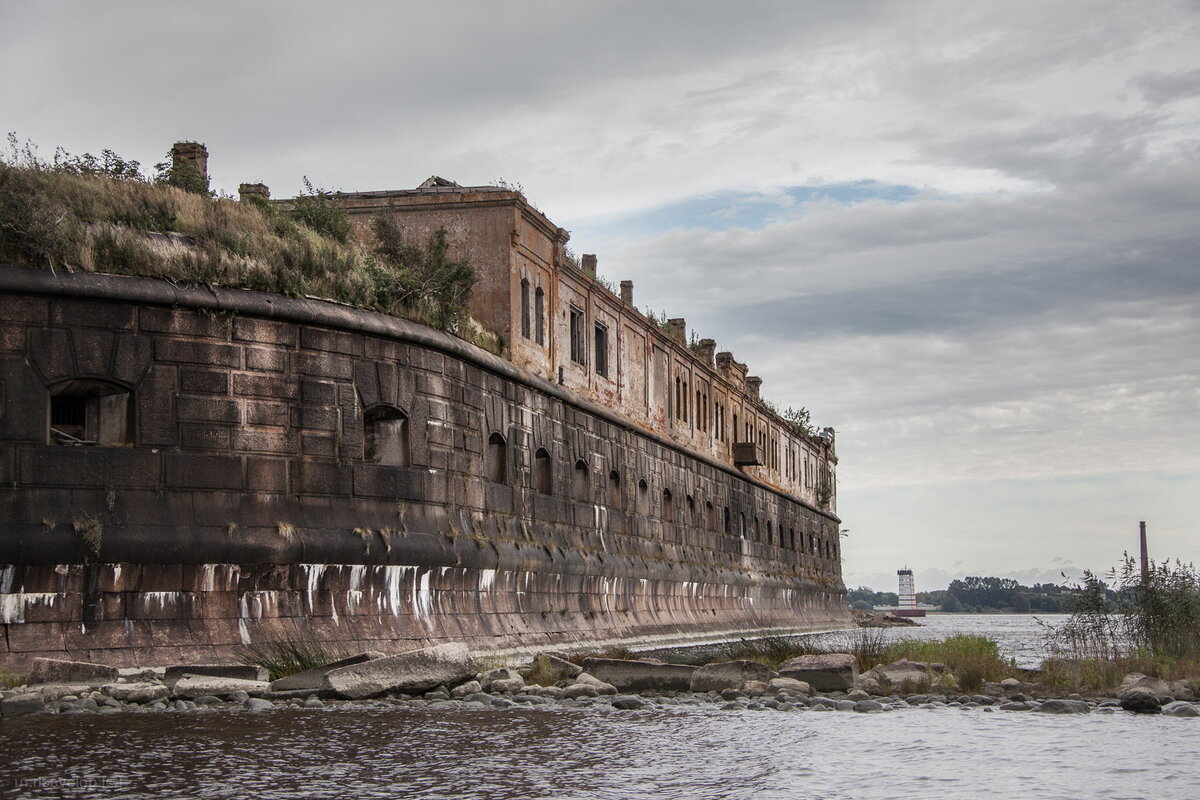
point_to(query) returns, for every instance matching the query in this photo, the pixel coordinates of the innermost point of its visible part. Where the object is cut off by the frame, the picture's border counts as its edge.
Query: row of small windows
(90, 412)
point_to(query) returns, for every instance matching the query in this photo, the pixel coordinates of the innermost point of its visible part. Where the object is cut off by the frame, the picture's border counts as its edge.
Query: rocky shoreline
(446, 677)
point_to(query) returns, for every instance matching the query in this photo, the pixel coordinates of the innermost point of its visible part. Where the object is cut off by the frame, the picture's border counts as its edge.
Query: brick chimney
(678, 329)
(191, 154)
(754, 386)
(707, 348)
(627, 292)
(248, 190)
(588, 263)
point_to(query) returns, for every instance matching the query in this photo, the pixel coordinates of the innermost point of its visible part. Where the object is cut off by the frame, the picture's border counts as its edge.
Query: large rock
(586, 679)
(143, 692)
(788, 686)
(641, 676)
(1064, 707)
(53, 670)
(193, 686)
(412, 672)
(1137, 682)
(315, 678)
(1140, 702)
(18, 705)
(825, 673)
(502, 679)
(53, 691)
(241, 672)
(1181, 708)
(729, 675)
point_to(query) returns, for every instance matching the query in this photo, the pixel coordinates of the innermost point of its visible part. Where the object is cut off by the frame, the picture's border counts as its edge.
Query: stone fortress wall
(263, 467)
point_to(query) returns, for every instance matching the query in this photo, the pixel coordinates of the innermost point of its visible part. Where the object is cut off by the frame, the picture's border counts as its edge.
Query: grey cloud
(1161, 88)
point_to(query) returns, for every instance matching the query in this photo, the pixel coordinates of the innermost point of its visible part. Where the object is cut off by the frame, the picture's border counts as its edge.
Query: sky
(965, 235)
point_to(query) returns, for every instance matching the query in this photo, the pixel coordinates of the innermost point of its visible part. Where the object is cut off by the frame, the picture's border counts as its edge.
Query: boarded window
(497, 459)
(88, 412)
(616, 494)
(525, 308)
(582, 481)
(385, 433)
(601, 343)
(578, 346)
(539, 316)
(543, 473)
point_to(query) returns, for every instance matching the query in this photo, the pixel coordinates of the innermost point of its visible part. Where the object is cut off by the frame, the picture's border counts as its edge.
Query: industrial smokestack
(1145, 553)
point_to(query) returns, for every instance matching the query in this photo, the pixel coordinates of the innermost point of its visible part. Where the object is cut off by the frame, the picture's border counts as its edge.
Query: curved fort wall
(269, 467)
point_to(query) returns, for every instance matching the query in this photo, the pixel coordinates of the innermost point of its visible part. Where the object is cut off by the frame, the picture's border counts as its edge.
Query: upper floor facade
(559, 321)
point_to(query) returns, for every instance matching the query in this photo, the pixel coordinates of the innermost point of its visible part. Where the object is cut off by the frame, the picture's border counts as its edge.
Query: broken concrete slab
(192, 686)
(241, 672)
(144, 692)
(53, 670)
(824, 673)
(411, 672)
(640, 676)
(729, 675)
(314, 678)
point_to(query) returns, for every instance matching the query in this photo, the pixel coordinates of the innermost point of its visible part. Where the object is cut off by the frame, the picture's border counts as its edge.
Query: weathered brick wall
(243, 510)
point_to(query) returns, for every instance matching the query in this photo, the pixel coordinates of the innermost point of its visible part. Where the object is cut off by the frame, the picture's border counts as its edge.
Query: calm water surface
(672, 752)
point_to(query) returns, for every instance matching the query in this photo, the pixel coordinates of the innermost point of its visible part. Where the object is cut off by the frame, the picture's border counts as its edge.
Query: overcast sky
(966, 235)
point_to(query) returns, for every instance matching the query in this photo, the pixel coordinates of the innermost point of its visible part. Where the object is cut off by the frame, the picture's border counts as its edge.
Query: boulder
(1137, 682)
(144, 692)
(729, 675)
(1064, 707)
(464, 689)
(314, 678)
(577, 690)
(899, 673)
(53, 670)
(863, 706)
(255, 704)
(1181, 708)
(641, 676)
(241, 672)
(18, 705)
(193, 686)
(508, 674)
(628, 702)
(1181, 690)
(413, 672)
(600, 686)
(1140, 702)
(789, 686)
(828, 672)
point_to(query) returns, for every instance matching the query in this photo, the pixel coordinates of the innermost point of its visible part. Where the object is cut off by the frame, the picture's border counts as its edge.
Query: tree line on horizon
(975, 594)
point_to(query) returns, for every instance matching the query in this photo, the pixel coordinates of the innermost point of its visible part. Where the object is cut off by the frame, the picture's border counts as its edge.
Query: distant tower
(907, 606)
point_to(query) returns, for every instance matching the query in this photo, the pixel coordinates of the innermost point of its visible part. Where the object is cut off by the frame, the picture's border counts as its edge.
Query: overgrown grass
(10, 680)
(972, 659)
(101, 215)
(290, 655)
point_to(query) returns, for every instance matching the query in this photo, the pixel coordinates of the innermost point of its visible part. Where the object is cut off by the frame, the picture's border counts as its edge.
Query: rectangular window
(578, 347)
(525, 308)
(539, 303)
(601, 361)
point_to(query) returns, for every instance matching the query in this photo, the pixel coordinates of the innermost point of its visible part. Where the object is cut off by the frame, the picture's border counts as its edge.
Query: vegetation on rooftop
(102, 214)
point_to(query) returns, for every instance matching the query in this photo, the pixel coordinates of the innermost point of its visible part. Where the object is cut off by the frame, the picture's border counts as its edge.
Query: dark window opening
(88, 412)
(497, 459)
(668, 506)
(710, 517)
(385, 433)
(582, 481)
(728, 525)
(543, 478)
(577, 343)
(691, 509)
(525, 308)
(615, 498)
(539, 316)
(601, 361)
(643, 500)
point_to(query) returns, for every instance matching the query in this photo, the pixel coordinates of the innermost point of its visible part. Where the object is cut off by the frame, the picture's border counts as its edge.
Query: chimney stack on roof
(754, 386)
(708, 348)
(627, 292)
(248, 190)
(188, 156)
(588, 262)
(677, 328)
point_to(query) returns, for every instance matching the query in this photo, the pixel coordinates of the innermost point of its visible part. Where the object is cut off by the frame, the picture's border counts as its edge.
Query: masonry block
(193, 352)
